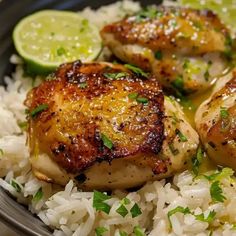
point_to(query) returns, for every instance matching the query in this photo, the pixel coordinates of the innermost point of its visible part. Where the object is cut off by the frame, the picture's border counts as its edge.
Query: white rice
(70, 212)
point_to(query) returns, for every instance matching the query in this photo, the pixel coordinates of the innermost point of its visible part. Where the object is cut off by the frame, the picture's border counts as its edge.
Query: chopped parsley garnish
(148, 13)
(158, 55)
(133, 95)
(61, 51)
(135, 210)
(16, 186)
(125, 201)
(186, 64)
(178, 83)
(216, 192)
(83, 85)
(197, 161)
(136, 70)
(177, 209)
(115, 76)
(181, 136)
(40, 108)
(185, 210)
(123, 233)
(174, 150)
(207, 219)
(106, 141)
(100, 231)
(138, 231)
(1, 152)
(23, 125)
(121, 210)
(224, 114)
(39, 195)
(98, 202)
(142, 100)
(219, 175)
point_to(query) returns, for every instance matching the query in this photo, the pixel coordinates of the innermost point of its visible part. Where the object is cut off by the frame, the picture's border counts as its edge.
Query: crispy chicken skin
(174, 43)
(102, 124)
(216, 122)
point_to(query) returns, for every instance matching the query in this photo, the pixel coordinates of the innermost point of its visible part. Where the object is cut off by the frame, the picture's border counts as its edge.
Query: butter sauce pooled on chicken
(216, 122)
(106, 126)
(186, 49)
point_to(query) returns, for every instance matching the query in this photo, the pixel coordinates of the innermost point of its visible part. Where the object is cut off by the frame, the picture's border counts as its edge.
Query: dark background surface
(11, 11)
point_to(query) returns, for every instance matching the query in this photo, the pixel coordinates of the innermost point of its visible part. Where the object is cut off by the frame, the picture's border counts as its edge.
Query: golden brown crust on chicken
(96, 112)
(183, 48)
(216, 123)
(176, 29)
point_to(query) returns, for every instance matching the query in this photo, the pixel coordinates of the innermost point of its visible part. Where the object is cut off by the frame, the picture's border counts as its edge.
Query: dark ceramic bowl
(11, 11)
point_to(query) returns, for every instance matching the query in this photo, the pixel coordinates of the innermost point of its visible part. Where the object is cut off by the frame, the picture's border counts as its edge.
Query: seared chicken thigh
(184, 48)
(107, 126)
(216, 122)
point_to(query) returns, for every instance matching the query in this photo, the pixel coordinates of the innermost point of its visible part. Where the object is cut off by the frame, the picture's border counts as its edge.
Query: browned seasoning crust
(83, 104)
(175, 29)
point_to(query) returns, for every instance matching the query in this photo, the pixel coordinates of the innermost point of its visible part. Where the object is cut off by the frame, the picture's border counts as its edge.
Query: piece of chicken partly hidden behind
(186, 49)
(107, 127)
(216, 122)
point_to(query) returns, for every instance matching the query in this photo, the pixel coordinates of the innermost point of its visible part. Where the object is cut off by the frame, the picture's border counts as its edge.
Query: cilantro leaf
(138, 231)
(115, 76)
(158, 55)
(98, 202)
(83, 85)
(174, 150)
(121, 210)
(135, 210)
(106, 141)
(23, 125)
(216, 192)
(148, 13)
(39, 195)
(100, 231)
(40, 108)
(133, 95)
(181, 136)
(197, 161)
(208, 219)
(123, 233)
(1, 152)
(179, 209)
(224, 114)
(142, 100)
(178, 83)
(125, 201)
(16, 186)
(219, 175)
(136, 70)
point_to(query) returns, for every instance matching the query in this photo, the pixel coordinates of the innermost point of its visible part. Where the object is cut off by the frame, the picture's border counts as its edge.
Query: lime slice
(49, 38)
(226, 9)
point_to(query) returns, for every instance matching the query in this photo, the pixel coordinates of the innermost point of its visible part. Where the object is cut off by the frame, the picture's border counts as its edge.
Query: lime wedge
(49, 38)
(226, 9)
